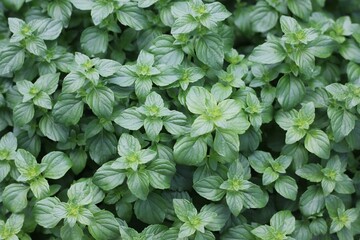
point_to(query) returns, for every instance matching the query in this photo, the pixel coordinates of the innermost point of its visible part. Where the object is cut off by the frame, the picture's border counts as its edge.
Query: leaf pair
(297, 124)
(273, 172)
(141, 167)
(237, 188)
(54, 165)
(153, 116)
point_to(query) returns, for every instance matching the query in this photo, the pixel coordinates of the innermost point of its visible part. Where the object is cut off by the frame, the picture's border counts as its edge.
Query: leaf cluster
(179, 119)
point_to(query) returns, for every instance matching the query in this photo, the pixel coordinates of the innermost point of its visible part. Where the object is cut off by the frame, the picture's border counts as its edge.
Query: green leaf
(31, 143)
(23, 113)
(57, 164)
(311, 172)
(209, 50)
(294, 134)
(259, 161)
(254, 197)
(176, 123)
(186, 230)
(143, 87)
(128, 144)
(4, 170)
(146, 3)
(94, 40)
(108, 178)
(322, 47)
(263, 17)
(138, 183)
(152, 210)
(312, 201)
(78, 158)
(226, 143)
(101, 101)
(132, 16)
(300, 8)
(53, 130)
(130, 119)
(345, 186)
(14, 4)
(328, 186)
(36, 46)
(68, 109)
(217, 11)
(71, 232)
(263, 232)
(317, 142)
(235, 202)
(11, 59)
(334, 205)
(73, 82)
(190, 151)
(60, 10)
(230, 108)
(26, 164)
(318, 226)
(100, 11)
(289, 25)
(83, 4)
(286, 186)
(47, 28)
(350, 51)
(107, 67)
(102, 147)
(15, 26)
(202, 125)
(14, 223)
(270, 52)
(286, 119)
(269, 176)
(283, 221)
(166, 77)
(15, 197)
(352, 215)
(184, 24)
(8, 146)
(344, 234)
(353, 72)
(153, 127)
(166, 52)
(184, 209)
(221, 91)
(84, 192)
(104, 226)
(125, 77)
(303, 59)
(290, 91)
(43, 100)
(209, 188)
(197, 98)
(217, 222)
(48, 83)
(338, 91)
(240, 232)
(342, 122)
(307, 113)
(40, 187)
(160, 172)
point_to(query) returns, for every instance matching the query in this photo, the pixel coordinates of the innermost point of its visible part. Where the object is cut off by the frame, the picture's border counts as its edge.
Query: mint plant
(186, 119)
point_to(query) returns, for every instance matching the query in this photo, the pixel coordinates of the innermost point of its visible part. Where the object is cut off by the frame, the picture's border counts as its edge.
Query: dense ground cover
(161, 119)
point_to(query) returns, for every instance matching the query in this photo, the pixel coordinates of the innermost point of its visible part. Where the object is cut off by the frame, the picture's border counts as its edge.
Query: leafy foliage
(184, 119)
